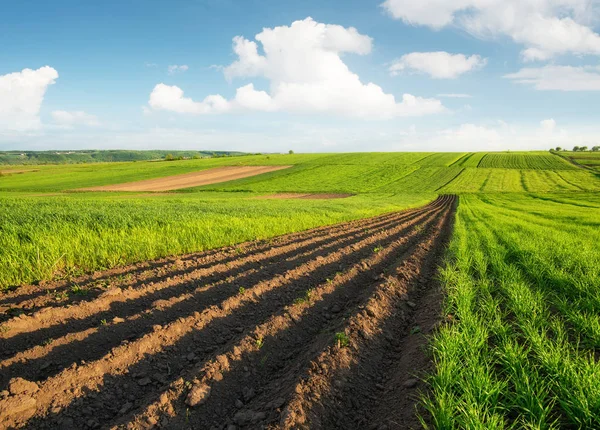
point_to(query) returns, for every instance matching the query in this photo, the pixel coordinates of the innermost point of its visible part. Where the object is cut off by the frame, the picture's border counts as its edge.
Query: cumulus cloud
(438, 65)
(560, 78)
(75, 118)
(21, 96)
(306, 74)
(174, 68)
(545, 27)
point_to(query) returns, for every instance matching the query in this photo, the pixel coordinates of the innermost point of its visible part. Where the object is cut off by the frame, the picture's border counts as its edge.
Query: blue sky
(529, 68)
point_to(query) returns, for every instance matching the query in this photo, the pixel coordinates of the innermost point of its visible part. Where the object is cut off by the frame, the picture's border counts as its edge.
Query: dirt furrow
(126, 305)
(51, 356)
(29, 297)
(89, 381)
(379, 355)
(184, 270)
(244, 370)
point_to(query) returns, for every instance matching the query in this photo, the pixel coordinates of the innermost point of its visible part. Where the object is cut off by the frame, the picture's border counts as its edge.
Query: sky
(311, 76)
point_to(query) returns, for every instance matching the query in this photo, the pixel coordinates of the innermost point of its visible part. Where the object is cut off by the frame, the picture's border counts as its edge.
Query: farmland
(590, 160)
(519, 349)
(266, 302)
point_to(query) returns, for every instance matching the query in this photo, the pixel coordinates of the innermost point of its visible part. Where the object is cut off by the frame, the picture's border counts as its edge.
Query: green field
(590, 160)
(98, 156)
(48, 229)
(519, 346)
(523, 304)
(46, 237)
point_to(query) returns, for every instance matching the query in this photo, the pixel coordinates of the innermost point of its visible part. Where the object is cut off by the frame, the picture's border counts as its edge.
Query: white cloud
(21, 96)
(561, 78)
(548, 125)
(172, 69)
(545, 27)
(171, 98)
(438, 65)
(306, 74)
(71, 119)
(501, 136)
(455, 96)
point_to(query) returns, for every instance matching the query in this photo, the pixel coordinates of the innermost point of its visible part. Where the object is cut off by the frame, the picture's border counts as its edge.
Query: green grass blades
(46, 236)
(522, 280)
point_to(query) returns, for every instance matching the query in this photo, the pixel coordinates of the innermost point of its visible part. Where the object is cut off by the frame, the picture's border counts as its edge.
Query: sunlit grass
(522, 281)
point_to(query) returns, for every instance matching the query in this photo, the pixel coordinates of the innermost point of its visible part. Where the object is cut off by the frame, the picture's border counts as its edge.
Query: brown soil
(188, 180)
(239, 337)
(313, 196)
(16, 172)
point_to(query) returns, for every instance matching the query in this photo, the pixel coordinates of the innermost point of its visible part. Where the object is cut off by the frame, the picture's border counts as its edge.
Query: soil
(188, 180)
(16, 172)
(316, 329)
(313, 196)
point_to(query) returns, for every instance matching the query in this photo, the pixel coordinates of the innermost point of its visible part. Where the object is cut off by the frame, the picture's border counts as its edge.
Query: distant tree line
(577, 149)
(103, 156)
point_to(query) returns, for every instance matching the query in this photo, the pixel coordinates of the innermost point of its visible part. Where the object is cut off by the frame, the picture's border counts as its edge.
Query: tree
(576, 149)
(558, 149)
(290, 152)
(595, 148)
(583, 148)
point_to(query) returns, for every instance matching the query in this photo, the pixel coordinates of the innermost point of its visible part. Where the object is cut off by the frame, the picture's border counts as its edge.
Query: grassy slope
(95, 230)
(43, 237)
(522, 283)
(590, 160)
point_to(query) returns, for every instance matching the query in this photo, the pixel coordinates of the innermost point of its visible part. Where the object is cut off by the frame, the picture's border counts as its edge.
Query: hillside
(339, 173)
(98, 156)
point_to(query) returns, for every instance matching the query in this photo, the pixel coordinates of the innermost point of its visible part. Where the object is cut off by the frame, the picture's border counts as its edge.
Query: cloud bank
(546, 28)
(306, 74)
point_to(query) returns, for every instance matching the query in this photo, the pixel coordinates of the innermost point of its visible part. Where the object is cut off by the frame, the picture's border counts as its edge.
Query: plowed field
(319, 329)
(188, 180)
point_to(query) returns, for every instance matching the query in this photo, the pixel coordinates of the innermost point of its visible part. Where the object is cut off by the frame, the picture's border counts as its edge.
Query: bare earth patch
(188, 180)
(322, 329)
(306, 196)
(15, 172)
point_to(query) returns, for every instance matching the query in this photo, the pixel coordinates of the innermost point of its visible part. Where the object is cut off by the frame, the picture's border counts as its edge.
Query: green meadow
(50, 229)
(519, 345)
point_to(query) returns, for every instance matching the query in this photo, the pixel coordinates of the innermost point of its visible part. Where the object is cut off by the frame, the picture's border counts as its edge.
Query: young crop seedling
(242, 291)
(78, 290)
(259, 342)
(377, 249)
(59, 297)
(342, 340)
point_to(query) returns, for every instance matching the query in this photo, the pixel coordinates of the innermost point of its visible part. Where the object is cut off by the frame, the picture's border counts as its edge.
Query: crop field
(319, 291)
(587, 159)
(520, 345)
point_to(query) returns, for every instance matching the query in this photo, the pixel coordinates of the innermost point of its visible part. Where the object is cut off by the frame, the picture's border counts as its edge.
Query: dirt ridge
(203, 352)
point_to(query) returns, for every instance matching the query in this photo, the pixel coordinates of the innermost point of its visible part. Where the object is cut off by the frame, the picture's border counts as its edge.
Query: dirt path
(188, 180)
(242, 337)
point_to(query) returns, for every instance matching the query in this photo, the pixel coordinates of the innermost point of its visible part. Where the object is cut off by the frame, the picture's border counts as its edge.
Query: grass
(525, 160)
(522, 283)
(49, 230)
(48, 237)
(520, 344)
(589, 160)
